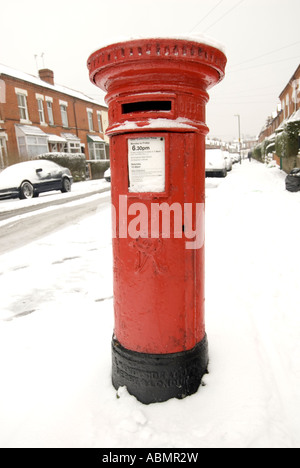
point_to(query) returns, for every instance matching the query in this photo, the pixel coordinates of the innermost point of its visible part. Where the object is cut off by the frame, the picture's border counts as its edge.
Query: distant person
(250, 156)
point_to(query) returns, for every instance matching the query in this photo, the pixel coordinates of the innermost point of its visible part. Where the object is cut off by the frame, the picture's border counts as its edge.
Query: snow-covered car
(215, 165)
(292, 180)
(107, 175)
(228, 161)
(29, 179)
(235, 157)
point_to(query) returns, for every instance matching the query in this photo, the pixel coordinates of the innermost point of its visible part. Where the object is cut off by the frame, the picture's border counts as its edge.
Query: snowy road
(19, 230)
(56, 323)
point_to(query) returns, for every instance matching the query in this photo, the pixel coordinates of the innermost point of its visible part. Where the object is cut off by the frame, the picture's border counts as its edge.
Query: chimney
(47, 75)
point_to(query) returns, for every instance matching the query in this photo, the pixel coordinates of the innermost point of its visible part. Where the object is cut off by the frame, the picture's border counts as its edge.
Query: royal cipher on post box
(156, 95)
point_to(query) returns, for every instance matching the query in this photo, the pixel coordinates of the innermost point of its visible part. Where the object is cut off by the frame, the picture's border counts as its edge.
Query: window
(3, 151)
(32, 145)
(22, 104)
(50, 113)
(287, 101)
(36, 145)
(283, 108)
(56, 147)
(99, 121)
(22, 146)
(64, 113)
(2, 96)
(32, 141)
(72, 144)
(41, 111)
(97, 150)
(74, 147)
(90, 119)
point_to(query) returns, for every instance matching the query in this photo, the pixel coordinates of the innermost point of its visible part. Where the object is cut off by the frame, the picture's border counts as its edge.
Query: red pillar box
(156, 96)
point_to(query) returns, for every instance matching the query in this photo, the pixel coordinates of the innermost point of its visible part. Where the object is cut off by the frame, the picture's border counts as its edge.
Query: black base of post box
(153, 378)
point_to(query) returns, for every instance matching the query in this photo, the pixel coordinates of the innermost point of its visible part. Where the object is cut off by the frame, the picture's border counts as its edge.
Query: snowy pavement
(56, 322)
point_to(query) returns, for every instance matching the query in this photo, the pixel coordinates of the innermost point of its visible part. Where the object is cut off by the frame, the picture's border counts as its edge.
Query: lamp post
(239, 124)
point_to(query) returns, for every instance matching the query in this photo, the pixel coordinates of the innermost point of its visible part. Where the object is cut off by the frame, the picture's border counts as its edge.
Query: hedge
(98, 167)
(287, 142)
(257, 153)
(76, 162)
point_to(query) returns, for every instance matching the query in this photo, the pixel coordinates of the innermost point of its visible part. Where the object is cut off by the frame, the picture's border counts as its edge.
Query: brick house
(288, 111)
(289, 105)
(290, 95)
(38, 116)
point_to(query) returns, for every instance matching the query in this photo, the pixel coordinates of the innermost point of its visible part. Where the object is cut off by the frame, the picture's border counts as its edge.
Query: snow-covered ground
(56, 322)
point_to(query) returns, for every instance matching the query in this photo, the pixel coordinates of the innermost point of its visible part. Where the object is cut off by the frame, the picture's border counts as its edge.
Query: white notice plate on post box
(146, 164)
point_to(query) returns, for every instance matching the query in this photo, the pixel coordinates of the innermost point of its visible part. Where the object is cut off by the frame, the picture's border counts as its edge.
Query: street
(19, 231)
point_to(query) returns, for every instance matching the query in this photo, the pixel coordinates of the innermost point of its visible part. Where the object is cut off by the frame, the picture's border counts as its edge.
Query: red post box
(156, 96)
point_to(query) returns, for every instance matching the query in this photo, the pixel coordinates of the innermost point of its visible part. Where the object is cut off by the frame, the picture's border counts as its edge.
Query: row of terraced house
(38, 116)
(279, 138)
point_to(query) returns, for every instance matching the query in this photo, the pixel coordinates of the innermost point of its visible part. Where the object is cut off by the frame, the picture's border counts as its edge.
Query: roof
(4, 70)
(36, 131)
(30, 130)
(70, 136)
(293, 77)
(95, 138)
(55, 138)
(295, 117)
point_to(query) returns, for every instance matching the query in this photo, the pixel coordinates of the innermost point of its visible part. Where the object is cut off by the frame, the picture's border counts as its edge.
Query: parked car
(107, 175)
(235, 157)
(29, 179)
(228, 161)
(215, 165)
(292, 180)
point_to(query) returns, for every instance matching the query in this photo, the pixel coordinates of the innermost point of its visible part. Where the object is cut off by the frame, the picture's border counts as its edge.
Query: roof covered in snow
(30, 130)
(4, 70)
(295, 117)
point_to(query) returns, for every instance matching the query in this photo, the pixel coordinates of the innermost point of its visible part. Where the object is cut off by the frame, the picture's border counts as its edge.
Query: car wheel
(26, 190)
(66, 185)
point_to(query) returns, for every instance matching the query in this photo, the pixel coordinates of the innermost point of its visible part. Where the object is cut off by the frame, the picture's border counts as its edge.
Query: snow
(178, 123)
(57, 322)
(48, 209)
(295, 117)
(194, 37)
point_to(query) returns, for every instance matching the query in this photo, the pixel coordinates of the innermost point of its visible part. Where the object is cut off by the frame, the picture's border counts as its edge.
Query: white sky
(261, 38)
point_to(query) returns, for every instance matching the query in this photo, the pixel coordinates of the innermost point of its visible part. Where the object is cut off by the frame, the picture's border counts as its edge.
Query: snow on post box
(156, 95)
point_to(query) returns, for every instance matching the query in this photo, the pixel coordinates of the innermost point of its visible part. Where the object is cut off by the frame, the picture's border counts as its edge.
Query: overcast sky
(261, 39)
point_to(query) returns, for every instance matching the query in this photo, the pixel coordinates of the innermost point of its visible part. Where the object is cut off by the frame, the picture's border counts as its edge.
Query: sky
(261, 40)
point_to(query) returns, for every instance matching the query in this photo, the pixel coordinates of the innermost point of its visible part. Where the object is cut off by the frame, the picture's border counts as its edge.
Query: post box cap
(197, 37)
(166, 52)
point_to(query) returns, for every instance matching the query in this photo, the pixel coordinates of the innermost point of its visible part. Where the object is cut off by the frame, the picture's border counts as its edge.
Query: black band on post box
(153, 378)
